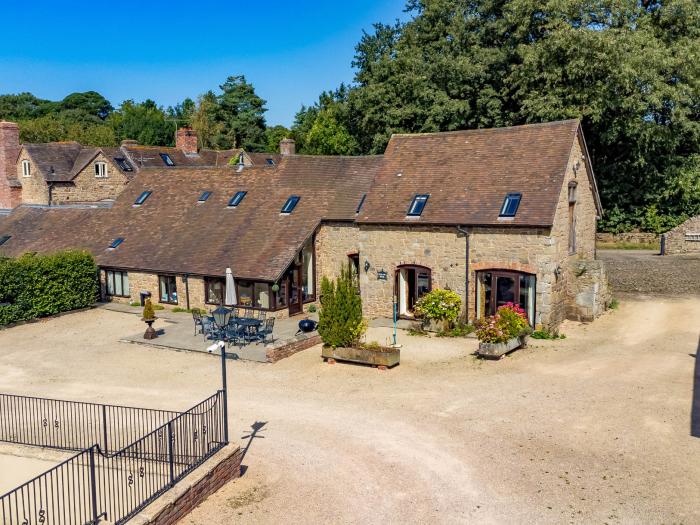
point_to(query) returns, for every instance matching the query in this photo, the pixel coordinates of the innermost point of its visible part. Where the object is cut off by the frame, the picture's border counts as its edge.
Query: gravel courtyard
(593, 428)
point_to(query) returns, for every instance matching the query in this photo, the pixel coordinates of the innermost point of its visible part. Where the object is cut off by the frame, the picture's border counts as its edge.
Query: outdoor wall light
(366, 266)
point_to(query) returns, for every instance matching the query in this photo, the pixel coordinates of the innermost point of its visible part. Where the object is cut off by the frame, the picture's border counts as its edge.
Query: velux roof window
(116, 242)
(204, 196)
(166, 158)
(362, 201)
(510, 205)
(4, 239)
(290, 204)
(142, 198)
(270, 162)
(123, 164)
(236, 199)
(417, 205)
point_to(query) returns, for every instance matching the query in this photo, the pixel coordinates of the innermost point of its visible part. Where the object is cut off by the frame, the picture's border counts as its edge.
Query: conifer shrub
(340, 316)
(148, 311)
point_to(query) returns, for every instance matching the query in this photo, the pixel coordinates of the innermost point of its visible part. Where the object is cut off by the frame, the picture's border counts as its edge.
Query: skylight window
(116, 242)
(290, 204)
(123, 164)
(142, 198)
(4, 239)
(270, 162)
(417, 205)
(204, 196)
(236, 199)
(362, 201)
(510, 205)
(166, 158)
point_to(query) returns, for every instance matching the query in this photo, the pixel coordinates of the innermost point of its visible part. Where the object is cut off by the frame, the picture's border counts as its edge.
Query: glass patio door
(295, 291)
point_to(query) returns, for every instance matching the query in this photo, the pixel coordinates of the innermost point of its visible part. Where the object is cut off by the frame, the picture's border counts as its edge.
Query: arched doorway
(411, 283)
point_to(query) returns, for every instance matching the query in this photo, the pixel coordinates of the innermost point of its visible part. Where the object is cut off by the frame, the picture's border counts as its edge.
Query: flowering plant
(440, 305)
(509, 321)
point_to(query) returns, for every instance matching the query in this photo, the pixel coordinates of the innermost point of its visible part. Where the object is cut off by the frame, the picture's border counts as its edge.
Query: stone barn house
(684, 238)
(496, 215)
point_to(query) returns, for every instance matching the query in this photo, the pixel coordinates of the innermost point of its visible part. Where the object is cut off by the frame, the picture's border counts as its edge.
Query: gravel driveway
(646, 272)
(591, 429)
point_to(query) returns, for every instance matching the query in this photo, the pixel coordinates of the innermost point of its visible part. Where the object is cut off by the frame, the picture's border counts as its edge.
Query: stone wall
(440, 248)
(681, 238)
(334, 242)
(34, 188)
(86, 187)
(628, 237)
(588, 289)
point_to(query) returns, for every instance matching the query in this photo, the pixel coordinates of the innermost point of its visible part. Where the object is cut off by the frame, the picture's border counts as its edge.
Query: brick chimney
(186, 140)
(288, 147)
(10, 195)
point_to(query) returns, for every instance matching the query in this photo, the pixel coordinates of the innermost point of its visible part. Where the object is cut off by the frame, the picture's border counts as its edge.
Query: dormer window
(26, 168)
(142, 198)
(116, 242)
(166, 158)
(510, 205)
(417, 205)
(123, 164)
(4, 239)
(362, 201)
(101, 170)
(290, 204)
(204, 196)
(236, 199)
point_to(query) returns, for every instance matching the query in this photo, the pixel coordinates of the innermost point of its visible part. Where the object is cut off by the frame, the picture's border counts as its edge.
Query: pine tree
(340, 317)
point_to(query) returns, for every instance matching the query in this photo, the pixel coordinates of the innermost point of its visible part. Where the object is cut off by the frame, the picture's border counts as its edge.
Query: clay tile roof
(468, 173)
(263, 159)
(54, 160)
(149, 157)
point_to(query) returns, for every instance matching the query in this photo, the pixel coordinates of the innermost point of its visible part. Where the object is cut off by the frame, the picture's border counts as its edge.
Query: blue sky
(290, 51)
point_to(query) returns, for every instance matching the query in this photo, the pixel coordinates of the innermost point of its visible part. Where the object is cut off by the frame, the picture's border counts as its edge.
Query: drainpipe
(187, 289)
(466, 274)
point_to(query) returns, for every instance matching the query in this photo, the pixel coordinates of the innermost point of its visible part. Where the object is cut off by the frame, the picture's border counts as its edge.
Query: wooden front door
(295, 298)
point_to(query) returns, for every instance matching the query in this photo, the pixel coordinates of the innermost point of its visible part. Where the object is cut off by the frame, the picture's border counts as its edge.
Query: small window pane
(290, 204)
(236, 199)
(142, 198)
(245, 293)
(215, 291)
(125, 280)
(417, 205)
(110, 283)
(166, 159)
(510, 205)
(262, 295)
(118, 284)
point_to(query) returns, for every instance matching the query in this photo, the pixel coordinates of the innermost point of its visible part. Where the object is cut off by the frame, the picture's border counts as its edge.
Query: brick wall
(275, 353)
(9, 151)
(676, 240)
(189, 497)
(88, 188)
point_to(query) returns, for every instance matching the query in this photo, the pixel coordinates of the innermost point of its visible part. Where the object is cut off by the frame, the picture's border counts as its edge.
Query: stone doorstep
(161, 504)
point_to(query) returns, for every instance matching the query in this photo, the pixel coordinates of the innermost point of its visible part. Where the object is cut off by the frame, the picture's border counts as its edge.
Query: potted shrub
(341, 325)
(149, 317)
(503, 332)
(439, 309)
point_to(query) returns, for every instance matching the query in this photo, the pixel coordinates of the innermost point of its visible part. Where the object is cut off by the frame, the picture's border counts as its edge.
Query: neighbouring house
(684, 238)
(496, 215)
(60, 173)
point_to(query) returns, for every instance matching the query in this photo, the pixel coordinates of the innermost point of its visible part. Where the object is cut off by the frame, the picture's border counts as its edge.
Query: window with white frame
(26, 169)
(101, 170)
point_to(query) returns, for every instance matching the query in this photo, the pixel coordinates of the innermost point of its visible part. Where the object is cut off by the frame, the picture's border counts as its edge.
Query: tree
(203, 119)
(145, 122)
(90, 102)
(623, 68)
(274, 135)
(340, 317)
(241, 115)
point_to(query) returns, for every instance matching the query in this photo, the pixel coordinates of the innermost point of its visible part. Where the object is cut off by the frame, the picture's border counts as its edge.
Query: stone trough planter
(382, 357)
(498, 350)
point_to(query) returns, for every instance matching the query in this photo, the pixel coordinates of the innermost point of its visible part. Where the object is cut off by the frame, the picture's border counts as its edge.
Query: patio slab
(176, 332)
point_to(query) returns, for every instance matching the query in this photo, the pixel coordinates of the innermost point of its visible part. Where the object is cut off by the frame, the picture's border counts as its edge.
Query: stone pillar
(10, 190)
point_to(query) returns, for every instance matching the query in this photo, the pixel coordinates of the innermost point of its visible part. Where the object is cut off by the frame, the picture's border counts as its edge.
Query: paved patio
(176, 331)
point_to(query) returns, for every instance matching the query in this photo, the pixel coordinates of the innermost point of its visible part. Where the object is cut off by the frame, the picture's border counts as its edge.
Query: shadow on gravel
(256, 427)
(695, 408)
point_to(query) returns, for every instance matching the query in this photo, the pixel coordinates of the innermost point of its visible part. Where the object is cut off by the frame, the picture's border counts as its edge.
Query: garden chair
(197, 318)
(266, 330)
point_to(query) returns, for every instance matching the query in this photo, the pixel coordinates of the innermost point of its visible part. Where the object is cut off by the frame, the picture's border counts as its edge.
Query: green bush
(340, 317)
(459, 330)
(148, 311)
(545, 334)
(40, 285)
(439, 305)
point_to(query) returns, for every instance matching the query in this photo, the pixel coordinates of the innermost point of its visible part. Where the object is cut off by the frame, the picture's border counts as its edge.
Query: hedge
(40, 285)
